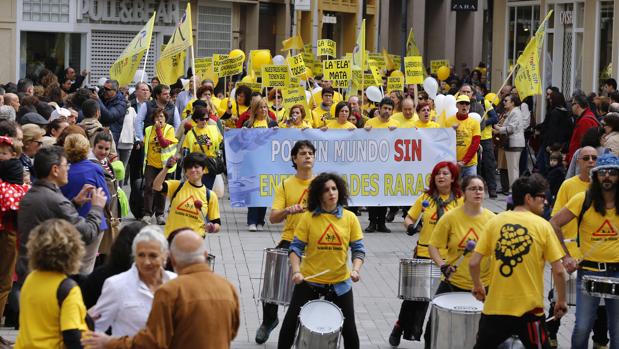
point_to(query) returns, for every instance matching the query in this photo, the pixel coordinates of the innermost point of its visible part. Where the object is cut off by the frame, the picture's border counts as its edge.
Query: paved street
(239, 258)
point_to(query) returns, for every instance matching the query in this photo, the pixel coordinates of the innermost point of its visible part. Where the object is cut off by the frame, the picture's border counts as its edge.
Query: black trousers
(495, 329)
(443, 287)
(600, 326)
(488, 164)
(269, 310)
(377, 214)
(304, 293)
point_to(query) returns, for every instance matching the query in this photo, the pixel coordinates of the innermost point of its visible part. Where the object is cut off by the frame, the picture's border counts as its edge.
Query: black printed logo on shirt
(513, 244)
(204, 140)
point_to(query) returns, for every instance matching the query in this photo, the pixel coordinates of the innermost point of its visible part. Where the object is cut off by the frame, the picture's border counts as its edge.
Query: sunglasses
(465, 103)
(109, 89)
(608, 172)
(589, 157)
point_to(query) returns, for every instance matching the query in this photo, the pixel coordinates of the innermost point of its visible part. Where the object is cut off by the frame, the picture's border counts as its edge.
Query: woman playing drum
(443, 195)
(324, 234)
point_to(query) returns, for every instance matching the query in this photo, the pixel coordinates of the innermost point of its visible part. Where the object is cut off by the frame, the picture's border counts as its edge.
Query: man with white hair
(196, 296)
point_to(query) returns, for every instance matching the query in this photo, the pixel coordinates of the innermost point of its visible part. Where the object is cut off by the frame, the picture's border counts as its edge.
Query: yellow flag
(293, 43)
(171, 64)
(358, 53)
(389, 64)
(411, 46)
(528, 79)
(129, 60)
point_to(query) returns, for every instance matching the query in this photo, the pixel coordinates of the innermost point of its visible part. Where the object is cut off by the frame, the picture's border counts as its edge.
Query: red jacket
(245, 116)
(586, 121)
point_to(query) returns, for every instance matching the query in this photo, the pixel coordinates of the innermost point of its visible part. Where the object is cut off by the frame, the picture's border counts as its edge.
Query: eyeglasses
(608, 172)
(475, 189)
(589, 157)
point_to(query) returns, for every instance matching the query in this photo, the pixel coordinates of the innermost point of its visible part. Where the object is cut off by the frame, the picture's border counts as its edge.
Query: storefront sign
(302, 5)
(128, 11)
(464, 5)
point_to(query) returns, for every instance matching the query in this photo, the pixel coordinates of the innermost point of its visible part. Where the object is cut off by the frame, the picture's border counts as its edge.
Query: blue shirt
(85, 172)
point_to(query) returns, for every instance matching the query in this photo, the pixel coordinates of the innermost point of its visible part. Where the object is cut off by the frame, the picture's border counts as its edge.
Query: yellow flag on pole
(358, 53)
(528, 79)
(171, 64)
(293, 43)
(411, 45)
(389, 64)
(129, 60)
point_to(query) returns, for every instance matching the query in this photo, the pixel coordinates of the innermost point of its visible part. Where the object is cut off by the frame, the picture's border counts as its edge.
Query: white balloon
(439, 104)
(279, 60)
(430, 85)
(138, 75)
(475, 116)
(374, 94)
(451, 111)
(233, 94)
(449, 102)
(308, 95)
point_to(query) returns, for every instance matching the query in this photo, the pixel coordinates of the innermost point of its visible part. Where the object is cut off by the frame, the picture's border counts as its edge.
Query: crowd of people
(69, 152)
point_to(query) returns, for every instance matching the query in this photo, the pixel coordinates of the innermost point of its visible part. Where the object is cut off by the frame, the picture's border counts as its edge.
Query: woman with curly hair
(84, 172)
(327, 219)
(55, 249)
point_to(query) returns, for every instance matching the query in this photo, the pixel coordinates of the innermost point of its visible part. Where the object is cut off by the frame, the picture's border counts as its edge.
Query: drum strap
(585, 206)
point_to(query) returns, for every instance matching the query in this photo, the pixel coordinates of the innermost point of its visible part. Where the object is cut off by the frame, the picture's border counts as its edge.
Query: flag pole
(144, 66)
(193, 69)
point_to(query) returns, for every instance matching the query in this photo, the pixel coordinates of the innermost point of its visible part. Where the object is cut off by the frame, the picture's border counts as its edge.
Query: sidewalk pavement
(239, 256)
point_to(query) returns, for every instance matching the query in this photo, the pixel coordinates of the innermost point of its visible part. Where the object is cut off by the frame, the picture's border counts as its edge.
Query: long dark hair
(120, 258)
(597, 199)
(317, 187)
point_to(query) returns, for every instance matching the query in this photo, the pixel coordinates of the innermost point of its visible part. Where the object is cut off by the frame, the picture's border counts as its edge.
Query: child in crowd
(556, 175)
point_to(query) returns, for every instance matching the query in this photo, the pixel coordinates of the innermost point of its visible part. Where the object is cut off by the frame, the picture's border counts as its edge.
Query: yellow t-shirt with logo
(209, 137)
(320, 117)
(41, 318)
(518, 245)
(404, 122)
(337, 97)
(429, 220)
(568, 190)
(486, 133)
(377, 122)
(223, 106)
(153, 156)
(599, 237)
(278, 113)
(453, 231)
(292, 191)
(183, 212)
(260, 124)
(327, 241)
(429, 124)
(467, 129)
(334, 124)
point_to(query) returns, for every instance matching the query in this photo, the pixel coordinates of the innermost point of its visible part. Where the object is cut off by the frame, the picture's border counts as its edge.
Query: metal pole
(404, 31)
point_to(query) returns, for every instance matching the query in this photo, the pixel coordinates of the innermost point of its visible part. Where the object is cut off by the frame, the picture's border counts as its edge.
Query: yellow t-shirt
(453, 231)
(337, 97)
(304, 124)
(183, 212)
(223, 106)
(320, 117)
(327, 241)
(429, 220)
(404, 122)
(216, 102)
(334, 124)
(429, 124)
(278, 113)
(599, 240)
(568, 190)
(153, 155)
(41, 318)
(260, 124)
(292, 191)
(465, 132)
(377, 122)
(486, 133)
(518, 245)
(209, 137)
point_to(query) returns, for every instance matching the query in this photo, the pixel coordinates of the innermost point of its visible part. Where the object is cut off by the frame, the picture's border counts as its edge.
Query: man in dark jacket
(45, 201)
(113, 108)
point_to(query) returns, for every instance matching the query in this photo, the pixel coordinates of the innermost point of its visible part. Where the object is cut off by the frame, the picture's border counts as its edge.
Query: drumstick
(550, 318)
(317, 275)
(470, 246)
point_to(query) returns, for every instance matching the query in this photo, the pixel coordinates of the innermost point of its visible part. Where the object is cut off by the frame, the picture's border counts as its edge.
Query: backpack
(62, 293)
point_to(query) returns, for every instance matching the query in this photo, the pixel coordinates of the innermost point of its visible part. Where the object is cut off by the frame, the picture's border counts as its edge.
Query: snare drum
(570, 290)
(210, 260)
(455, 320)
(601, 286)
(419, 279)
(277, 285)
(320, 324)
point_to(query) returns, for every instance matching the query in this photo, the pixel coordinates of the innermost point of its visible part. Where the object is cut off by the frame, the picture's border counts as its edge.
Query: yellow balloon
(308, 74)
(492, 98)
(236, 52)
(260, 58)
(443, 73)
(396, 73)
(247, 78)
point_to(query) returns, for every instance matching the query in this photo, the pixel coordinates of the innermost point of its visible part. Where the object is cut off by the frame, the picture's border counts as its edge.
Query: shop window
(214, 30)
(605, 41)
(53, 51)
(56, 11)
(523, 22)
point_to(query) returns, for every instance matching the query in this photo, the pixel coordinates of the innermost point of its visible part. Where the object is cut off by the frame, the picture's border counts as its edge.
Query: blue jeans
(468, 171)
(255, 215)
(586, 309)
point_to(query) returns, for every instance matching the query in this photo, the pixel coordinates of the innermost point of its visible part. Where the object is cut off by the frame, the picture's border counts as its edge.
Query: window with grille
(46, 11)
(106, 47)
(214, 30)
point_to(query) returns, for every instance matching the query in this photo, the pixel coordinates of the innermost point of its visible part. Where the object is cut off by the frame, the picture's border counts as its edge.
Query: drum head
(321, 316)
(458, 302)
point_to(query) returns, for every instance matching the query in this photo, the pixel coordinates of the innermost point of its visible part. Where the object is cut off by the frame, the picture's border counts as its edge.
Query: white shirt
(125, 303)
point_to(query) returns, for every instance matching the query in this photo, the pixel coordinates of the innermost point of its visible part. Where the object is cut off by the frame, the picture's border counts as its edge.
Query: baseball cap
(463, 99)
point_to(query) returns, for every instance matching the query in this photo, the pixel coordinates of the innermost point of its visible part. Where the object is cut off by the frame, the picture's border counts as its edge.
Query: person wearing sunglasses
(597, 222)
(276, 105)
(33, 139)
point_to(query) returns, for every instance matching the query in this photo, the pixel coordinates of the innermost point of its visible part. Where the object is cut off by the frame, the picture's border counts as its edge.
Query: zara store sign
(128, 11)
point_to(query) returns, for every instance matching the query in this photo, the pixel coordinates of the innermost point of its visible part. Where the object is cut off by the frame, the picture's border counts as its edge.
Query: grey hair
(137, 85)
(147, 234)
(183, 258)
(114, 84)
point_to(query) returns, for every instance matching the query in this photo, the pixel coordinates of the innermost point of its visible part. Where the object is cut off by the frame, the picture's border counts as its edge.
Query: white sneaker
(260, 227)
(252, 227)
(147, 219)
